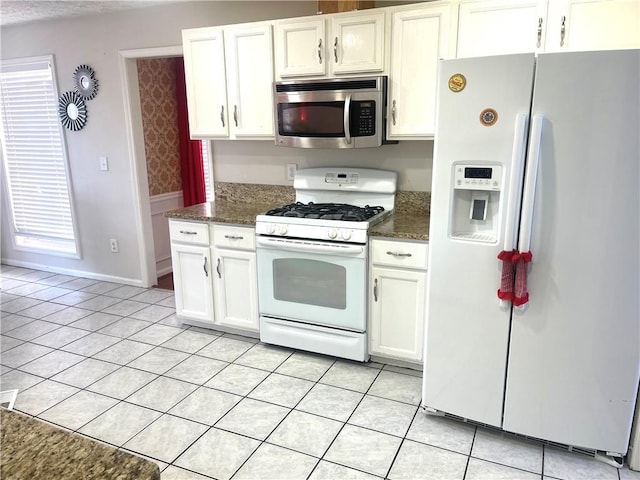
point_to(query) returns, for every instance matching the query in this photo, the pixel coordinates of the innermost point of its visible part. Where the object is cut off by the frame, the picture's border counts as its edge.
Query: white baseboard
(160, 204)
(136, 282)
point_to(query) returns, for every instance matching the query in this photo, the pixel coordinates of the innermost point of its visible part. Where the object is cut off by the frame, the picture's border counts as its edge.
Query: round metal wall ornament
(86, 83)
(72, 111)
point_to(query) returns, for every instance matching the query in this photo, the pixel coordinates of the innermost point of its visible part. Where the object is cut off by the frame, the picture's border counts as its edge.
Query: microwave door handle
(347, 115)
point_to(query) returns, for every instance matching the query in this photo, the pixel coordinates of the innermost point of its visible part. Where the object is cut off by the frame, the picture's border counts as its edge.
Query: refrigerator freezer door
(467, 332)
(574, 352)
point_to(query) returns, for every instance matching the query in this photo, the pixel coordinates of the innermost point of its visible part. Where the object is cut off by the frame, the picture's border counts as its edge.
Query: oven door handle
(309, 247)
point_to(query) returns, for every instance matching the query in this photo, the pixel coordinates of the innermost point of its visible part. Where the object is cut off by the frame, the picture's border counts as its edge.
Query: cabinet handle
(562, 30)
(399, 254)
(375, 290)
(222, 115)
(204, 266)
(235, 114)
(234, 237)
(393, 112)
(539, 32)
(320, 51)
(335, 49)
(187, 232)
(218, 269)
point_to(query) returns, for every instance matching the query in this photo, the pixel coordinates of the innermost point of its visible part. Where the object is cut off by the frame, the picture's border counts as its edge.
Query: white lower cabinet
(235, 279)
(214, 275)
(191, 260)
(398, 280)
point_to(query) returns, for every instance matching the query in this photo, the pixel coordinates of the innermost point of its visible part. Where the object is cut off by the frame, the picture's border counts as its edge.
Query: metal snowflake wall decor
(72, 111)
(86, 83)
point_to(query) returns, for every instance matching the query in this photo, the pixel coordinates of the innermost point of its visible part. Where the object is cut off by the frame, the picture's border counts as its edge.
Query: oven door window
(310, 282)
(311, 119)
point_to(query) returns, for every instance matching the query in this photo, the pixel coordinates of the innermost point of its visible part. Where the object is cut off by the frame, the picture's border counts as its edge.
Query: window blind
(34, 159)
(206, 164)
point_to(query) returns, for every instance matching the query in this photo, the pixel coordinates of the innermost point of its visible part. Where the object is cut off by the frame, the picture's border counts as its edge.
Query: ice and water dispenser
(476, 202)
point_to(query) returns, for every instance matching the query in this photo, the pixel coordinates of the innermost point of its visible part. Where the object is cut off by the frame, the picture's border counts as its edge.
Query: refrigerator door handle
(521, 295)
(505, 292)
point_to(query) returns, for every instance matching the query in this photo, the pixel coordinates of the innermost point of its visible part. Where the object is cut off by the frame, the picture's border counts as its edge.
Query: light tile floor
(113, 362)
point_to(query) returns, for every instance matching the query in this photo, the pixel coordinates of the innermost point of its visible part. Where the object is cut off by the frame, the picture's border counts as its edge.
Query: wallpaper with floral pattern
(157, 80)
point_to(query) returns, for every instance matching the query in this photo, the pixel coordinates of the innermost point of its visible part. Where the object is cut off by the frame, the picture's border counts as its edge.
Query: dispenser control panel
(477, 177)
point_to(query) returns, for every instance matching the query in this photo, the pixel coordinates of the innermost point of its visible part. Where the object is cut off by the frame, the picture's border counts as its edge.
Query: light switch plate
(104, 164)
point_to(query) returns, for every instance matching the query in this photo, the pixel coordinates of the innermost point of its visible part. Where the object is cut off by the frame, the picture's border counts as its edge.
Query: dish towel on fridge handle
(520, 294)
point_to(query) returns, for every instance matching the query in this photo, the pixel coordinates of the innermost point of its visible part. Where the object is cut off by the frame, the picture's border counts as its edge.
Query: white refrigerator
(537, 161)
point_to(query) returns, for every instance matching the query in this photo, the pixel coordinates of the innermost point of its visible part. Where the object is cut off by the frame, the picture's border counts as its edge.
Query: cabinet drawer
(189, 232)
(399, 254)
(234, 237)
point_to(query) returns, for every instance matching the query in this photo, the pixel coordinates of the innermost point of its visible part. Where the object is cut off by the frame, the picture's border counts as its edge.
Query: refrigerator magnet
(488, 117)
(457, 82)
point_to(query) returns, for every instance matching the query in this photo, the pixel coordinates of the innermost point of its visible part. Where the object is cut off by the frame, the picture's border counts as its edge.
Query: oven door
(313, 282)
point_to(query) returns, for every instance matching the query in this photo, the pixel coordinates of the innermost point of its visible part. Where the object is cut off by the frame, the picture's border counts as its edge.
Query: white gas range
(312, 260)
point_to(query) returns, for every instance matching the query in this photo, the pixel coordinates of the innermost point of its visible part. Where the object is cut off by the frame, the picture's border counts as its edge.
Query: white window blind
(34, 159)
(206, 166)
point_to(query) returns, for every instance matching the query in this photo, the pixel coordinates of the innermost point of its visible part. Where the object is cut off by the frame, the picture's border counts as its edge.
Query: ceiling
(14, 12)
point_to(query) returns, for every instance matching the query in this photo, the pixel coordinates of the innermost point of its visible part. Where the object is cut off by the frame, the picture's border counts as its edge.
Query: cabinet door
(496, 27)
(357, 43)
(204, 69)
(192, 282)
(249, 61)
(593, 25)
(300, 48)
(397, 313)
(419, 37)
(236, 289)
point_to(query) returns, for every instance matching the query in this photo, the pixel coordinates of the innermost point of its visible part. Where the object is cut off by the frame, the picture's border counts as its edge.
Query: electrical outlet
(291, 171)
(113, 243)
(104, 164)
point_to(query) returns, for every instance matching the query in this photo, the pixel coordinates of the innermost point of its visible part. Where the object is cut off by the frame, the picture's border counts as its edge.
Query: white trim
(159, 202)
(73, 272)
(135, 142)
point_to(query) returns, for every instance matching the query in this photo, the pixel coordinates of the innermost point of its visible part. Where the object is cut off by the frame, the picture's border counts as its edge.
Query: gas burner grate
(327, 211)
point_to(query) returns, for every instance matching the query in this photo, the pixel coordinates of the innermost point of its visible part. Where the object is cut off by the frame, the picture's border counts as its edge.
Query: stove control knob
(345, 234)
(282, 229)
(333, 233)
(271, 229)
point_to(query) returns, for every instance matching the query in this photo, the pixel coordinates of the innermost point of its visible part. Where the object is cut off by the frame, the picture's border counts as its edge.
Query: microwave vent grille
(332, 85)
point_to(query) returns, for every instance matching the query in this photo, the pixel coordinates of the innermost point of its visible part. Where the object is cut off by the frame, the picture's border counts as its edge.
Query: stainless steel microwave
(333, 113)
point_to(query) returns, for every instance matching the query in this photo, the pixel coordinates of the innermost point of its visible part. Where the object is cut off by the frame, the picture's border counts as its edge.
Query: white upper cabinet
(496, 27)
(350, 43)
(228, 73)
(419, 37)
(249, 61)
(575, 25)
(300, 47)
(204, 69)
(357, 43)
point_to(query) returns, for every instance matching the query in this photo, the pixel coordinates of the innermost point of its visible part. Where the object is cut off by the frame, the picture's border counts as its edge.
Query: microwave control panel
(363, 118)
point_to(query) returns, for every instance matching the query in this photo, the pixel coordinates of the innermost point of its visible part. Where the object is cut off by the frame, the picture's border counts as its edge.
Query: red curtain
(193, 188)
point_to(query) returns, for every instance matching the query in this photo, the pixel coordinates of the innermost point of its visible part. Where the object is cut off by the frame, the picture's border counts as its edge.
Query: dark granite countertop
(410, 219)
(32, 449)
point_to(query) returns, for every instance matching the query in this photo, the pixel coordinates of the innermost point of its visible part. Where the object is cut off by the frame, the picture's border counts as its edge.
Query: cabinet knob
(222, 115)
(320, 51)
(393, 112)
(234, 237)
(218, 268)
(335, 49)
(538, 43)
(399, 254)
(375, 290)
(204, 267)
(235, 114)
(562, 30)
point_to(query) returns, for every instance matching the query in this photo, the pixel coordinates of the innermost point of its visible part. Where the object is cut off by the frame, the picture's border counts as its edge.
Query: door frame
(135, 145)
